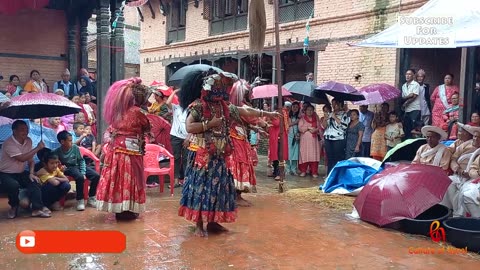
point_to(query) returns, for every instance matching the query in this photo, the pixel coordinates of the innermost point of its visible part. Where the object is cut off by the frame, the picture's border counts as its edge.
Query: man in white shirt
(411, 103)
(178, 138)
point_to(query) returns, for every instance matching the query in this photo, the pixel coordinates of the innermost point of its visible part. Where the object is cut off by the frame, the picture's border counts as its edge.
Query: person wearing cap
(461, 165)
(433, 152)
(69, 89)
(464, 133)
(159, 107)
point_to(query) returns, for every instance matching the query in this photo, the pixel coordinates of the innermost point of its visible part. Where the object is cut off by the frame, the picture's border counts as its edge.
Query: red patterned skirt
(121, 187)
(241, 164)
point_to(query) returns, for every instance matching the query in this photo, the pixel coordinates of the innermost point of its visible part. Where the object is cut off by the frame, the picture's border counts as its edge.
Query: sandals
(12, 213)
(153, 185)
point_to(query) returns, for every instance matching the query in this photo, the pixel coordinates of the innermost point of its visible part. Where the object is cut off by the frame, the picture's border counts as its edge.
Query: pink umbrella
(268, 91)
(400, 192)
(378, 93)
(339, 90)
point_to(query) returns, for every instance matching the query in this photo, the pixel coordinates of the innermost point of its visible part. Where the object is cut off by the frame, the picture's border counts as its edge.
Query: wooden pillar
(467, 84)
(72, 45)
(103, 60)
(84, 42)
(118, 43)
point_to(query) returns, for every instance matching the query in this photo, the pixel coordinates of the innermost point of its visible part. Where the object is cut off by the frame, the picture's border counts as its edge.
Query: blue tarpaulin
(349, 176)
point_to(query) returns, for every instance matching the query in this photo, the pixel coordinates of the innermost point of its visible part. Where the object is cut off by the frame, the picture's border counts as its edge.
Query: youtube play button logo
(26, 239)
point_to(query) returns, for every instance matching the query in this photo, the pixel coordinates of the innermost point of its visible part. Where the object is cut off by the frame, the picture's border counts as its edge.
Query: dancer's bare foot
(199, 231)
(214, 227)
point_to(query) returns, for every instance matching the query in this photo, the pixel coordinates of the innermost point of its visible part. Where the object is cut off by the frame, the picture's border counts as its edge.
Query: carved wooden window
(226, 16)
(177, 20)
(294, 10)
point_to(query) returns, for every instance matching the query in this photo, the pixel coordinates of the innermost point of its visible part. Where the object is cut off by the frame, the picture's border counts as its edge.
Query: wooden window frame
(176, 20)
(225, 10)
(286, 5)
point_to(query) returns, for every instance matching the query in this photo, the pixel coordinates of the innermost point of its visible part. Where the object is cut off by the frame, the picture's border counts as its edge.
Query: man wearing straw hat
(469, 194)
(461, 164)
(433, 152)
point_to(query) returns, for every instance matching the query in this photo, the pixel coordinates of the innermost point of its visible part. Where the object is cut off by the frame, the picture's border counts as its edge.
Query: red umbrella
(160, 129)
(11, 7)
(378, 93)
(400, 192)
(268, 91)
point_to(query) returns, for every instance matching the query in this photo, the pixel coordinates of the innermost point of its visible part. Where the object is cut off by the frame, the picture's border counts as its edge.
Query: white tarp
(437, 24)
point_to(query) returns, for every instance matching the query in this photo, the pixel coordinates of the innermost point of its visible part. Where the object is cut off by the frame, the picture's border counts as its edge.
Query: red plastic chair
(151, 166)
(86, 183)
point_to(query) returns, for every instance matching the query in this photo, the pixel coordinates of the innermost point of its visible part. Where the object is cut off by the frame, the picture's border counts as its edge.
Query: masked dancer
(209, 192)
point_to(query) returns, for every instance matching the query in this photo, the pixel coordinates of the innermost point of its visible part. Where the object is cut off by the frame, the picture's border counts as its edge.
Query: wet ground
(273, 234)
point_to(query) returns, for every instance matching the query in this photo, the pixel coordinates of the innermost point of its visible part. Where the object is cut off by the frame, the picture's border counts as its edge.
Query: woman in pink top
(441, 100)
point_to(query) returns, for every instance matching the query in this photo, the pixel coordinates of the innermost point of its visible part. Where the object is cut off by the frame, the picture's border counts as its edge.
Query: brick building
(212, 31)
(54, 37)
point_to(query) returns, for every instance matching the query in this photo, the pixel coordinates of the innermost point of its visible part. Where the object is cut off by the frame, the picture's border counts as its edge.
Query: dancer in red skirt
(121, 189)
(241, 161)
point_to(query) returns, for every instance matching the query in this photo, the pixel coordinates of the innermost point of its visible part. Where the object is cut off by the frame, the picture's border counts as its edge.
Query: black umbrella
(405, 150)
(338, 90)
(178, 76)
(303, 91)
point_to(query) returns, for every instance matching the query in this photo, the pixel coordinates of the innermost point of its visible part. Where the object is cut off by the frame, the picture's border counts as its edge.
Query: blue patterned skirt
(208, 194)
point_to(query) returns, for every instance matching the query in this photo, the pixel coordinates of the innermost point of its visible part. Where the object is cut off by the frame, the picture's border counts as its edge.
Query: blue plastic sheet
(349, 175)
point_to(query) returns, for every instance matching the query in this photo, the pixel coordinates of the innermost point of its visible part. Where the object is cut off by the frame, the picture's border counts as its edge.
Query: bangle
(204, 126)
(261, 113)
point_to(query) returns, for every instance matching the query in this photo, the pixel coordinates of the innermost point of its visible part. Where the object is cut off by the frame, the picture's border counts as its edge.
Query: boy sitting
(89, 142)
(69, 155)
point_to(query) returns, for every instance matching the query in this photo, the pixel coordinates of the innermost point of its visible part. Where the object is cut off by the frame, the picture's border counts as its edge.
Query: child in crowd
(69, 155)
(89, 142)
(78, 133)
(417, 131)
(54, 183)
(394, 131)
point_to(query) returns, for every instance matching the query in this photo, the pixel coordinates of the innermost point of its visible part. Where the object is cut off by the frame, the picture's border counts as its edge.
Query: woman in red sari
(121, 189)
(441, 100)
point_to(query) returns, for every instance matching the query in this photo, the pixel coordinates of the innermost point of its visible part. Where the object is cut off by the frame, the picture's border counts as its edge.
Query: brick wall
(34, 33)
(335, 23)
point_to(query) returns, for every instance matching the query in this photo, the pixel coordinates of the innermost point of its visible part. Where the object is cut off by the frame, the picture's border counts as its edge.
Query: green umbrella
(405, 150)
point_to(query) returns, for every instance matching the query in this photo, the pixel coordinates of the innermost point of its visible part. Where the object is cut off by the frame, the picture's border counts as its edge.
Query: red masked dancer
(209, 193)
(121, 189)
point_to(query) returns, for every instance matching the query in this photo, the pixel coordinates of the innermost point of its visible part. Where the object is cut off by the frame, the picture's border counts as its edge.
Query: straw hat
(439, 131)
(471, 129)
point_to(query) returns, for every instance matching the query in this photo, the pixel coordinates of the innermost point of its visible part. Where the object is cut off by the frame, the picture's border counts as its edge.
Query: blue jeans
(52, 194)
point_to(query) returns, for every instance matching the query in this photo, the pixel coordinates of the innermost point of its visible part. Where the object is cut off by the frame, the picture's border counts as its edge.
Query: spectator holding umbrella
(336, 130)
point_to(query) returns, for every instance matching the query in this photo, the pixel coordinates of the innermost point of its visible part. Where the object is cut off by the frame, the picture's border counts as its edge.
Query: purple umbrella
(339, 90)
(378, 93)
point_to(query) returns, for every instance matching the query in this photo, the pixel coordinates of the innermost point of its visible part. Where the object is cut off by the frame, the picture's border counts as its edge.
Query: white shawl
(442, 92)
(437, 151)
